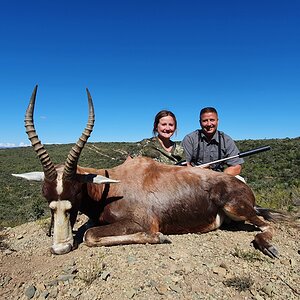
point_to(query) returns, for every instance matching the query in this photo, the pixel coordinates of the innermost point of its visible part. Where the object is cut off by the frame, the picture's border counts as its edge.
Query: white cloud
(11, 145)
(22, 144)
(7, 145)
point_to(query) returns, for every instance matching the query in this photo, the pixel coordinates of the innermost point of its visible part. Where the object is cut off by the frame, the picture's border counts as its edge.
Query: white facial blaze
(62, 234)
(59, 187)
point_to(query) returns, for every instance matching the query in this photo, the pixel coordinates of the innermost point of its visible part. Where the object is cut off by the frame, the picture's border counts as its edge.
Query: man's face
(209, 123)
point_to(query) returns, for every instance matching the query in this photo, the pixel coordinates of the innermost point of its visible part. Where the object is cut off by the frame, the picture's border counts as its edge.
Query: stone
(30, 291)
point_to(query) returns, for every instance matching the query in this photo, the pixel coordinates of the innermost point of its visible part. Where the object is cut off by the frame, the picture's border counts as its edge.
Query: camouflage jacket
(152, 148)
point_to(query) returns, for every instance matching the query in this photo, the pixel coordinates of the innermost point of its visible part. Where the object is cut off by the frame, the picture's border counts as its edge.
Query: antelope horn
(73, 156)
(48, 166)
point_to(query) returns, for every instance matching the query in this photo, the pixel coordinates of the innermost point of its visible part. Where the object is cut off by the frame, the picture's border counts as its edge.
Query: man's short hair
(207, 110)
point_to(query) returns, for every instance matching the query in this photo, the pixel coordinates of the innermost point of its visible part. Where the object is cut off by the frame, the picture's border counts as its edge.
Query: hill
(273, 175)
(217, 265)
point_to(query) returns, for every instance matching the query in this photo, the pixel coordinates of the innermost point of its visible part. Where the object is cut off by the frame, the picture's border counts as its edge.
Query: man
(210, 144)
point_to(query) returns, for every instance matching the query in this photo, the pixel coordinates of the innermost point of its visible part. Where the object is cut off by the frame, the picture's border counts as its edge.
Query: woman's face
(166, 127)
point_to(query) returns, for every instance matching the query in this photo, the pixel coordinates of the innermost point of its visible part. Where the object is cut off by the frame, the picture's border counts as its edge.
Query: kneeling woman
(160, 147)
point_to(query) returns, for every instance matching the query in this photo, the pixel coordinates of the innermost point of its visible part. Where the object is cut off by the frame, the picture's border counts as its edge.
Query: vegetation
(93, 270)
(250, 255)
(241, 284)
(273, 175)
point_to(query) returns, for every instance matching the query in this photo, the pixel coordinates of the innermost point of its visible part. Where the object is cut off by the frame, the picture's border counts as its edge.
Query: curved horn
(73, 156)
(48, 166)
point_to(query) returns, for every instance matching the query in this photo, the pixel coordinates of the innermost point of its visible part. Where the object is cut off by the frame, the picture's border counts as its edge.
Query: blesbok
(139, 201)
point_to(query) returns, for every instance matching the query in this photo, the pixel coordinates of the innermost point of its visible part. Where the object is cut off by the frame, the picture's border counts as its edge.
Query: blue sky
(140, 56)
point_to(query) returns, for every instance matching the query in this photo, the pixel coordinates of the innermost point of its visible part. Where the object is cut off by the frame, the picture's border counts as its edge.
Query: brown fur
(152, 198)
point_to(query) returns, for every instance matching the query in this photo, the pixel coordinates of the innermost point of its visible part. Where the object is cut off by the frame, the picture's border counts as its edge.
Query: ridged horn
(73, 156)
(48, 166)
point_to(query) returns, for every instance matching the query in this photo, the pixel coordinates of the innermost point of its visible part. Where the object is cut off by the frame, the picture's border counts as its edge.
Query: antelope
(141, 200)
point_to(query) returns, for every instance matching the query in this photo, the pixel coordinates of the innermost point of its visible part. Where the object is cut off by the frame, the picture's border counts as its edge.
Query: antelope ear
(94, 178)
(102, 179)
(33, 176)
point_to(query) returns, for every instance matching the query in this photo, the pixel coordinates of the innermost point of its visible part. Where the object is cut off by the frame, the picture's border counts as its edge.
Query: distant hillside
(274, 175)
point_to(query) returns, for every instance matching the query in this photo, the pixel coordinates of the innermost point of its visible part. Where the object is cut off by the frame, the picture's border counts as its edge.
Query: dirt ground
(217, 265)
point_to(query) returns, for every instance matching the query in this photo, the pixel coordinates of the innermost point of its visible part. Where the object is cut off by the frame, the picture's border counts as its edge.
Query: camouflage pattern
(152, 148)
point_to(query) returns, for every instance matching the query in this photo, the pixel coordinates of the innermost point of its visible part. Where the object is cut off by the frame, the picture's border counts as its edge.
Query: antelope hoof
(163, 239)
(268, 249)
(272, 252)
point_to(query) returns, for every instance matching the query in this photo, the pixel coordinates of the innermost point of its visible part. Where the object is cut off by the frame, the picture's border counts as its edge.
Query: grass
(241, 284)
(92, 271)
(248, 255)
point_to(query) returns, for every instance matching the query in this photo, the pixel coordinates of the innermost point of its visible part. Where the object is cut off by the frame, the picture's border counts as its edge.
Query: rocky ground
(217, 265)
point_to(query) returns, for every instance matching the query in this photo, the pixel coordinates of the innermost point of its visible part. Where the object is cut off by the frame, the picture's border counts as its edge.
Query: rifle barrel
(242, 154)
(254, 151)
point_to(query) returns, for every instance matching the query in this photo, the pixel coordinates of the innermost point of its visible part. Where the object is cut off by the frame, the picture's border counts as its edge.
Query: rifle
(242, 154)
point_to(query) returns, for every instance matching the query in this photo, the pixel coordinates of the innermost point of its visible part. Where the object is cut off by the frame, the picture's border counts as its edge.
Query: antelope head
(62, 186)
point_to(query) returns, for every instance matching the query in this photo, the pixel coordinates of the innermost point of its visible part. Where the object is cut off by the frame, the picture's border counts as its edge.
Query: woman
(161, 148)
